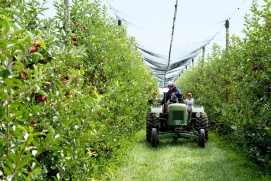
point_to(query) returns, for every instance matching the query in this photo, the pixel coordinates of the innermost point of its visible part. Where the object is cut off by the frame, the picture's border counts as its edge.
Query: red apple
(64, 82)
(48, 84)
(52, 104)
(41, 98)
(76, 23)
(33, 49)
(28, 168)
(254, 68)
(101, 61)
(84, 26)
(16, 87)
(25, 70)
(90, 91)
(74, 38)
(33, 122)
(36, 43)
(256, 58)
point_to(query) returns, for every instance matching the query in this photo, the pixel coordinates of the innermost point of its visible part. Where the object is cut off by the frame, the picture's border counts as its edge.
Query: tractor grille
(178, 115)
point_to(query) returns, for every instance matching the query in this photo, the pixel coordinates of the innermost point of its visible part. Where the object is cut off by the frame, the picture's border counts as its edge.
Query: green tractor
(172, 121)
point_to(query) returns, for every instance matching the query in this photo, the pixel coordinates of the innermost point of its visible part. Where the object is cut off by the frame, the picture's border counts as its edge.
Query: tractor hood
(177, 114)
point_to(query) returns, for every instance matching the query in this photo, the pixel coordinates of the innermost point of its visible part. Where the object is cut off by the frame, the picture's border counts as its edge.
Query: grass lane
(183, 160)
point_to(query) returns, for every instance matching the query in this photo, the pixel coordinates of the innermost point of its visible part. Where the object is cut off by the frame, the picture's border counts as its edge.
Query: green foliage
(70, 91)
(235, 87)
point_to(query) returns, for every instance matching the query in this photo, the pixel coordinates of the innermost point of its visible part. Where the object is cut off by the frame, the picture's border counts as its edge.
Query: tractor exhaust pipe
(164, 108)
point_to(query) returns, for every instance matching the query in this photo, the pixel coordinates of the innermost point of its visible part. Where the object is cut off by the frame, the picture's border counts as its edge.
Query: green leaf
(31, 129)
(35, 70)
(37, 55)
(5, 73)
(63, 33)
(50, 136)
(6, 28)
(18, 31)
(25, 161)
(42, 44)
(10, 10)
(42, 92)
(21, 128)
(6, 170)
(40, 71)
(30, 37)
(37, 170)
(39, 134)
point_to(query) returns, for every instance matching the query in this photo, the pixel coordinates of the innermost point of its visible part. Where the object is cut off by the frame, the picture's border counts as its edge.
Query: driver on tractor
(173, 94)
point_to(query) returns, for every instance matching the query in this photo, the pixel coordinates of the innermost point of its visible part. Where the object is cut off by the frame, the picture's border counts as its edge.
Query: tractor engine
(177, 114)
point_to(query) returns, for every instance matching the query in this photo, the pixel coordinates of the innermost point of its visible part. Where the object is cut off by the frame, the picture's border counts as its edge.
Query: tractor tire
(154, 138)
(148, 127)
(202, 124)
(202, 138)
(206, 134)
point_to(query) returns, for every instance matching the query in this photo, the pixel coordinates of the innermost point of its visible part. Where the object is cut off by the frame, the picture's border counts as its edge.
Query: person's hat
(170, 83)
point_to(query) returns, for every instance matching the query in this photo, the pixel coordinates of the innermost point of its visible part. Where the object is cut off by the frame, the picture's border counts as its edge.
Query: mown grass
(183, 160)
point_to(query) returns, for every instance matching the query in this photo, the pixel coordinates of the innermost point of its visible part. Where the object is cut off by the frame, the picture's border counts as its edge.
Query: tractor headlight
(198, 114)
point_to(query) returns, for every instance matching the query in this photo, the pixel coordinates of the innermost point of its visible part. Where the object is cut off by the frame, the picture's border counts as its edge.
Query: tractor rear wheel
(148, 127)
(154, 137)
(201, 138)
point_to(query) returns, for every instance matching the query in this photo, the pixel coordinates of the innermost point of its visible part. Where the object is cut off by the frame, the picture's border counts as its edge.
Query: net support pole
(227, 25)
(203, 53)
(67, 13)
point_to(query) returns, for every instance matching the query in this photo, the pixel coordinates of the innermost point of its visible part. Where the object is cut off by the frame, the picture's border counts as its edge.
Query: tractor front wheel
(202, 124)
(154, 137)
(202, 138)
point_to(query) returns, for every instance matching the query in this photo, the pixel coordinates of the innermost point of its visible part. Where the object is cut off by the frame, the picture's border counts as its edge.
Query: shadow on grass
(171, 142)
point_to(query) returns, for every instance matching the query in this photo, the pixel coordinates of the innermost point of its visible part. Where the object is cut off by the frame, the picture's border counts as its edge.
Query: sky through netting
(171, 34)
